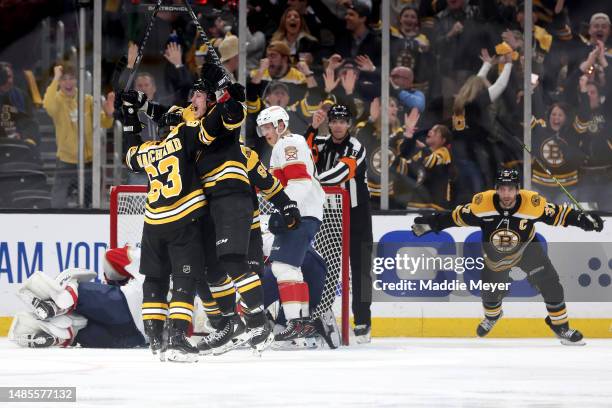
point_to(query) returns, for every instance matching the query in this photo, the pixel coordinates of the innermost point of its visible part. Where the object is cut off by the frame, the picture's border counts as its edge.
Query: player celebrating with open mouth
(506, 217)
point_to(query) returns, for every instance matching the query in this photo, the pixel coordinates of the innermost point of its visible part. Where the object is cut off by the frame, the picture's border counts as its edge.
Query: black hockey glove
(237, 92)
(584, 221)
(292, 215)
(131, 123)
(171, 119)
(214, 76)
(426, 223)
(277, 223)
(134, 98)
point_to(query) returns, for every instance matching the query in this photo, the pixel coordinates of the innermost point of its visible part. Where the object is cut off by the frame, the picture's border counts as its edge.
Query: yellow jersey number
(173, 186)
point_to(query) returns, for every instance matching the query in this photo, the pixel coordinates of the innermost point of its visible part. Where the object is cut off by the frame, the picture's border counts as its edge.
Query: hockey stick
(142, 45)
(547, 171)
(204, 38)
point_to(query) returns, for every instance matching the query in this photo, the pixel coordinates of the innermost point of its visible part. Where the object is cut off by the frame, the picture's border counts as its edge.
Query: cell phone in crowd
(534, 79)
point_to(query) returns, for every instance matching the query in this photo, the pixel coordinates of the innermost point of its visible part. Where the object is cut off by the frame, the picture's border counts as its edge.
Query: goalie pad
(27, 331)
(64, 294)
(75, 274)
(121, 264)
(42, 286)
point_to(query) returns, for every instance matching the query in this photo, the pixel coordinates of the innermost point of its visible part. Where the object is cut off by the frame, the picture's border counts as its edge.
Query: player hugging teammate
(198, 217)
(225, 214)
(506, 217)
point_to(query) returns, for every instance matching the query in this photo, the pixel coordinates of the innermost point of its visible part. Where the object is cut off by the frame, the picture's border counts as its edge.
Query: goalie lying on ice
(72, 309)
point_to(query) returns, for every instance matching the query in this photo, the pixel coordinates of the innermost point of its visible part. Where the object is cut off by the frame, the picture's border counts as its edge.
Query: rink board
(51, 242)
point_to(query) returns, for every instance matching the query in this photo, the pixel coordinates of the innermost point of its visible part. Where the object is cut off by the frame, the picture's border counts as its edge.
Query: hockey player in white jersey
(291, 162)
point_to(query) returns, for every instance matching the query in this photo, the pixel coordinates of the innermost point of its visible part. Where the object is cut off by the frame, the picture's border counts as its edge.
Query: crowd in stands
(456, 86)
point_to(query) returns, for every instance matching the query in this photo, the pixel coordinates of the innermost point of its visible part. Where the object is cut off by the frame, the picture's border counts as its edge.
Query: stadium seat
(16, 152)
(20, 180)
(32, 201)
(13, 166)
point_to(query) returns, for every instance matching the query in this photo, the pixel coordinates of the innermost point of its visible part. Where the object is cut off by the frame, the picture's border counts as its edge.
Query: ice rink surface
(420, 372)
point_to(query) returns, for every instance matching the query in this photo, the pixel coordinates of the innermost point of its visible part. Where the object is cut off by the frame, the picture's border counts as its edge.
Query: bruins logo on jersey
(552, 153)
(377, 160)
(505, 240)
(478, 199)
(535, 200)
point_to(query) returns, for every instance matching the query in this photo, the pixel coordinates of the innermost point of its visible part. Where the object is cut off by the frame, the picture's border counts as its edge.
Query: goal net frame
(339, 281)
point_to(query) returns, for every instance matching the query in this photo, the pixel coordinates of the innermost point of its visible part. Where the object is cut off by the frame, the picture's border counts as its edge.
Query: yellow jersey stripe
(155, 305)
(181, 304)
(178, 203)
(176, 217)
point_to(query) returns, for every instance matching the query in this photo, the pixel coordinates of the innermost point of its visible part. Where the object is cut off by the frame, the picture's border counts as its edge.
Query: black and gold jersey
(175, 195)
(262, 180)
(222, 165)
(559, 152)
(507, 232)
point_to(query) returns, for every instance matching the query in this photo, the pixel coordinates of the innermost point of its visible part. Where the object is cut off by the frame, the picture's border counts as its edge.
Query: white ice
(468, 373)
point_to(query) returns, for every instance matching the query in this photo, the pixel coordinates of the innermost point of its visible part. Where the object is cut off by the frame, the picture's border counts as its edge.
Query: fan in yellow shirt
(60, 102)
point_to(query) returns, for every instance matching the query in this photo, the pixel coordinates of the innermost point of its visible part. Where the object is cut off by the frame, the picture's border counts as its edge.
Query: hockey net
(332, 241)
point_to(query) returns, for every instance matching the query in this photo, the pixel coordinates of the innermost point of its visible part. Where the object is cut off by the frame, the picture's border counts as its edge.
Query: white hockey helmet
(273, 114)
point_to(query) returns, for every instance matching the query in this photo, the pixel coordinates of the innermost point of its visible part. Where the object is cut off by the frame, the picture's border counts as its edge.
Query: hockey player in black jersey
(171, 239)
(219, 106)
(272, 190)
(507, 216)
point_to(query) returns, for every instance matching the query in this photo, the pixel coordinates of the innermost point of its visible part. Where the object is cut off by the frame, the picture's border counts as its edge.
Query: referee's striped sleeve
(344, 170)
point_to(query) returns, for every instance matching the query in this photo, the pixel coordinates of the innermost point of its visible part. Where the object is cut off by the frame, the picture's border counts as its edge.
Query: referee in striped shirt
(340, 161)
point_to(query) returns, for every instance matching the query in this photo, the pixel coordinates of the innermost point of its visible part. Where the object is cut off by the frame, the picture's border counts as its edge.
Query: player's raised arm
(132, 101)
(229, 110)
(461, 216)
(564, 216)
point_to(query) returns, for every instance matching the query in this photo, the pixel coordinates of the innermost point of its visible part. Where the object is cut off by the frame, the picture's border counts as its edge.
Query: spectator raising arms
(472, 125)
(368, 133)
(277, 66)
(60, 102)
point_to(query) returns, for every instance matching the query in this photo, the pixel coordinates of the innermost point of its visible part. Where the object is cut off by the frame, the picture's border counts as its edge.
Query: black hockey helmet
(203, 85)
(339, 112)
(508, 177)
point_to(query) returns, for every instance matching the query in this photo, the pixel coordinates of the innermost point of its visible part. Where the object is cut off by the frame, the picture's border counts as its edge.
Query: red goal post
(332, 241)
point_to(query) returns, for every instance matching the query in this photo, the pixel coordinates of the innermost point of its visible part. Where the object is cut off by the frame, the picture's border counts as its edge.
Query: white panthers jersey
(292, 164)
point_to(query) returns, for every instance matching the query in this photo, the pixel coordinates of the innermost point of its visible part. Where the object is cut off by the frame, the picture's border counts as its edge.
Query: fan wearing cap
(276, 66)
(507, 217)
(341, 161)
(229, 55)
(277, 94)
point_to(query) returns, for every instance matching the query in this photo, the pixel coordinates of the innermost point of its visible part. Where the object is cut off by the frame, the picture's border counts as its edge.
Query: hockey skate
(43, 309)
(567, 336)
(302, 327)
(154, 329)
(486, 325)
(363, 333)
(261, 337)
(301, 343)
(230, 335)
(179, 349)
